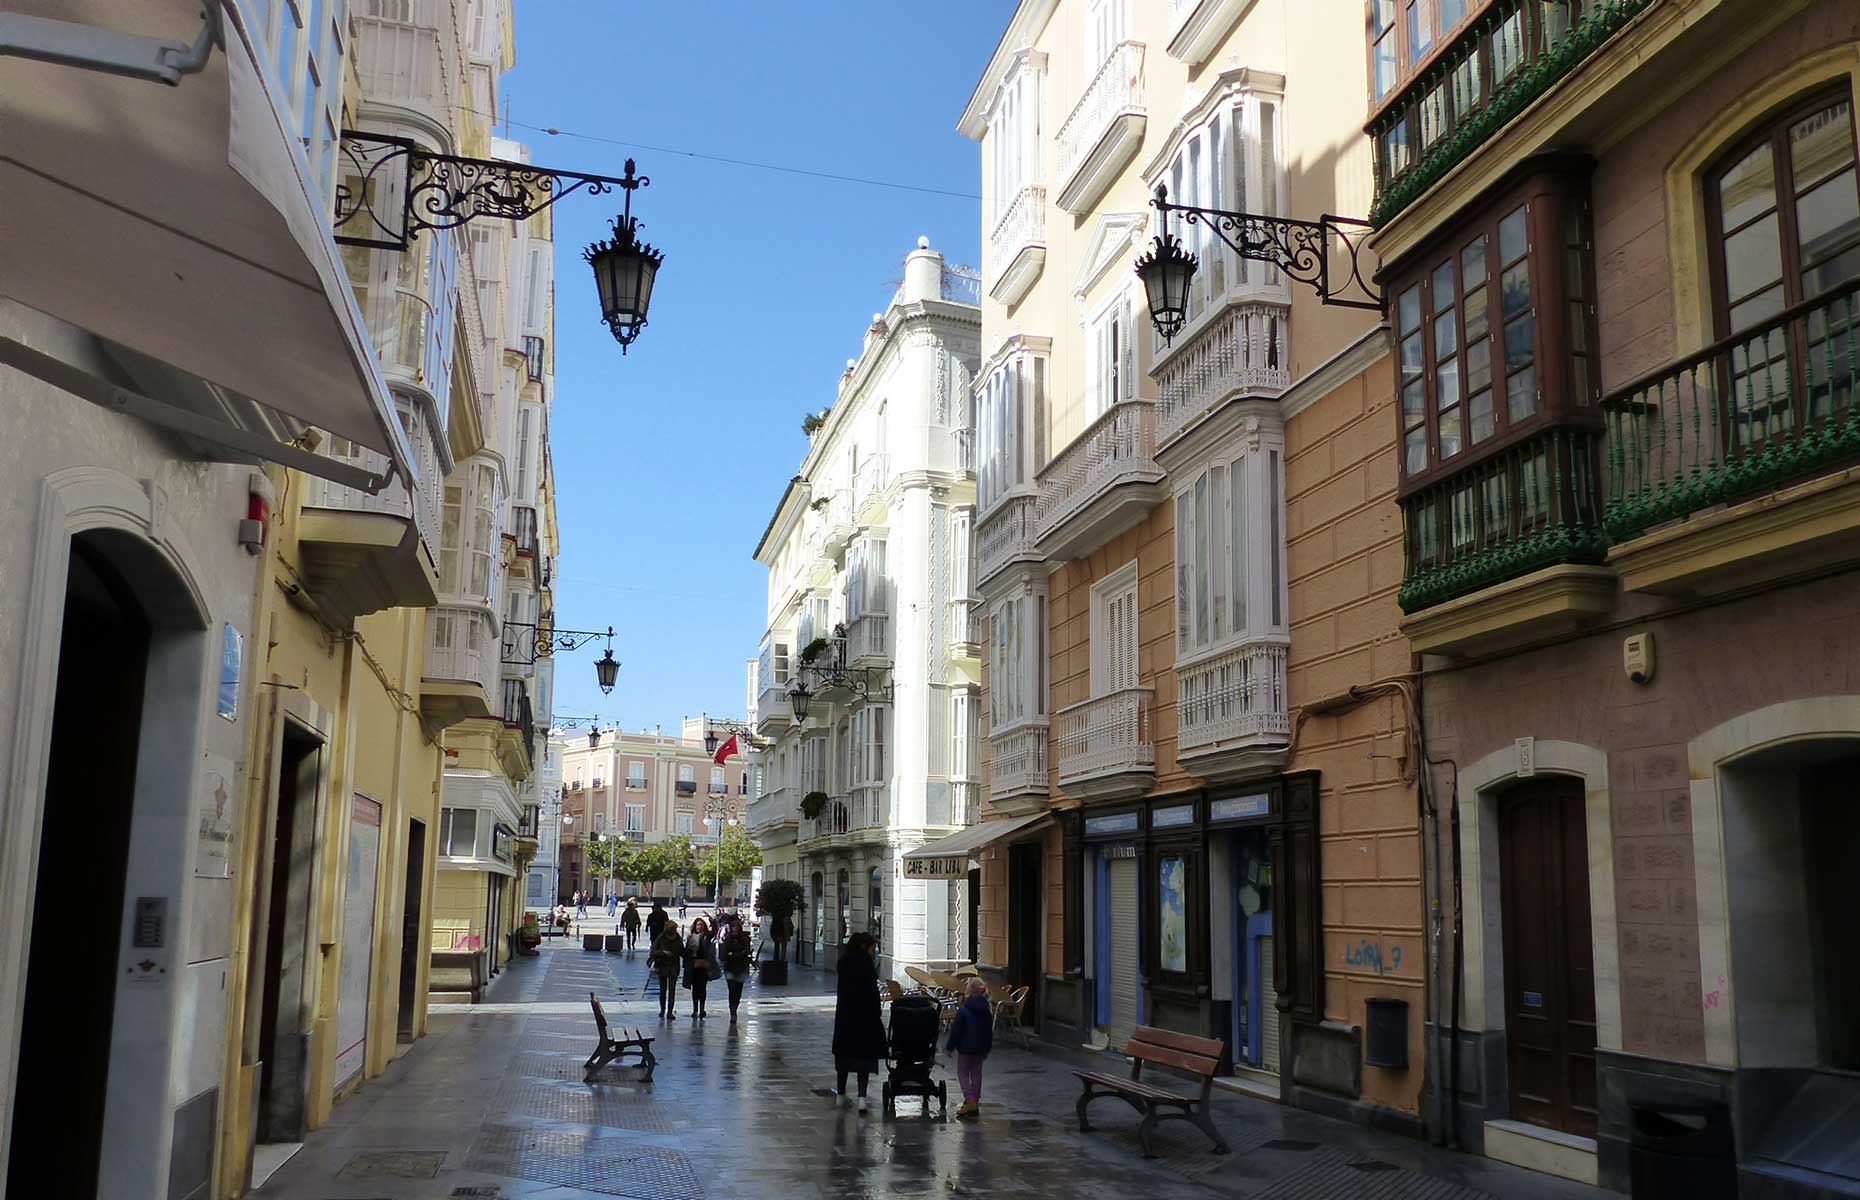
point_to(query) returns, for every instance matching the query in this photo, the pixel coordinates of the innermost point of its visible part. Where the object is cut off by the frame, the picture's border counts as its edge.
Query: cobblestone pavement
(490, 1105)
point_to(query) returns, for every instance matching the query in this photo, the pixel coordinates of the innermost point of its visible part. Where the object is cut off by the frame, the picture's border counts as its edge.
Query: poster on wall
(213, 823)
(358, 939)
(1173, 881)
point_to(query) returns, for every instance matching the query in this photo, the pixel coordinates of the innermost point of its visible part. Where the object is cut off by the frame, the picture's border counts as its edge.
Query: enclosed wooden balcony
(1104, 130)
(1017, 246)
(1018, 764)
(1232, 711)
(1007, 534)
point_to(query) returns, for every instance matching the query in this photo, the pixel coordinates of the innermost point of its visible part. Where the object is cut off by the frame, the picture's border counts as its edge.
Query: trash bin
(1681, 1150)
(1386, 1038)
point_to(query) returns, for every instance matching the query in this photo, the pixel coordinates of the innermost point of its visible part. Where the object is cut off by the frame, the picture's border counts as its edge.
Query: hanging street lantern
(1166, 272)
(625, 268)
(607, 670)
(799, 698)
(594, 735)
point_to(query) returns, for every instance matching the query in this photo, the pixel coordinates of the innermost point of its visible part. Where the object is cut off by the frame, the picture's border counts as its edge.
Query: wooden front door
(1549, 972)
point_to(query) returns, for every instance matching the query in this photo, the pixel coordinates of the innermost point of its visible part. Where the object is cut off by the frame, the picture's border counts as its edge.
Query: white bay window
(1017, 659)
(1010, 427)
(1230, 565)
(1111, 366)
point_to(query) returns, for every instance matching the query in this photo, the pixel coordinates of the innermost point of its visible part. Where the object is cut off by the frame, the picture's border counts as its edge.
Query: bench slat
(1123, 1083)
(1193, 1064)
(1155, 1036)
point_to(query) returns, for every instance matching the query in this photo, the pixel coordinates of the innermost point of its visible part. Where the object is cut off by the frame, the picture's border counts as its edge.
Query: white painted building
(868, 557)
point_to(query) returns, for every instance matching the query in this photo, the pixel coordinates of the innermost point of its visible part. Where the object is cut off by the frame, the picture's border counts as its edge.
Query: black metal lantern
(800, 699)
(710, 740)
(594, 734)
(1166, 272)
(625, 268)
(607, 670)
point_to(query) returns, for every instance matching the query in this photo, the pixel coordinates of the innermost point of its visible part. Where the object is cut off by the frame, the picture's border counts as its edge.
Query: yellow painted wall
(1343, 546)
(358, 687)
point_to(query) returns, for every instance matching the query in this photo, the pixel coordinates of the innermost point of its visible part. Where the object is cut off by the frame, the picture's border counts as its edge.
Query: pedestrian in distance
(971, 1037)
(700, 964)
(666, 960)
(738, 958)
(655, 921)
(858, 1025)
(629, 923)
(581, 906)
(613, 902)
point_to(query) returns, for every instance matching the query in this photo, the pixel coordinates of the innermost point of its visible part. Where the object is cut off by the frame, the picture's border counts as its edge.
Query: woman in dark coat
(858, 1025)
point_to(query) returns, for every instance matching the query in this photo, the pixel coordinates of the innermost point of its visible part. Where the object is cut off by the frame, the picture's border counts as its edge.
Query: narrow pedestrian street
(491, 1104)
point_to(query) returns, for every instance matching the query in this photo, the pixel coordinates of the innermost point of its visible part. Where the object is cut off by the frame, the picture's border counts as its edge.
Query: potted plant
(813, 804)
(780, 899)
(813, 649)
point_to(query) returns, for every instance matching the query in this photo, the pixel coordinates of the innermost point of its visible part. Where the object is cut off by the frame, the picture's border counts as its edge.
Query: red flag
(728, 748)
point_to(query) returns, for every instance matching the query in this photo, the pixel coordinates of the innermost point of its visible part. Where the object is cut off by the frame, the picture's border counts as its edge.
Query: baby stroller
(916, 1023)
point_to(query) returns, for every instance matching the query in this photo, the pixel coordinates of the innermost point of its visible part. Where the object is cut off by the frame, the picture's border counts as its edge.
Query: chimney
(923, 273)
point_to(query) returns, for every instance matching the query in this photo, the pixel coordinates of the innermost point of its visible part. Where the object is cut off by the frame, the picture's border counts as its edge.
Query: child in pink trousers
(971, 1037)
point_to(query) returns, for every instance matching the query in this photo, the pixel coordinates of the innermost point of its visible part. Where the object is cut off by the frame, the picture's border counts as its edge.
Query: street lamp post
(717, 811)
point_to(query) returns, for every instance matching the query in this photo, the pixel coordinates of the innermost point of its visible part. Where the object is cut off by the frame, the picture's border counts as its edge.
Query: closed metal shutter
(1269, 1011)
(1123, 906)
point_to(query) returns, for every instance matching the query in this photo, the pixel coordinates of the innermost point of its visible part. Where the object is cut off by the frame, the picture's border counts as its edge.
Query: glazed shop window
(1494, 329)
(1785, 227)
(1403, 33)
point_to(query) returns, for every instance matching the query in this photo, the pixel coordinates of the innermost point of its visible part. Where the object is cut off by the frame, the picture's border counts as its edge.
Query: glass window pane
(1420, 29)
(1827, 217)
(1385, 64)
(1753, 257)
(1449, 434)
(1412, 362)
(1748, 189)
(1521, 395)
(1446, 335)
(1477, 300)
(1447, 384)
(1472, 264)
(1758, 309)
(1413, 404)
(1415, 451)
(1408, 309)
(1237, 532)
(1444, 291)
(1578, 327)
(1481, 422)
(1831, 271)
(1518, 339)
(1452, 12)
(1479, 364)
(1515, 290)
(1508, 47)
(1513, 239)
(1821, 144)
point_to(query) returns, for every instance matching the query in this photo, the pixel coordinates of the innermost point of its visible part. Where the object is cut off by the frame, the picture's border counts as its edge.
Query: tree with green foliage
(780, 899)
(607, 857)
(732, 858)
(672, 858)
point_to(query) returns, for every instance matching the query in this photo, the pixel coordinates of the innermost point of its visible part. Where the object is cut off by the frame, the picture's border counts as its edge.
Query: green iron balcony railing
(1534, 504)
(1510, 55)
(1762, 408)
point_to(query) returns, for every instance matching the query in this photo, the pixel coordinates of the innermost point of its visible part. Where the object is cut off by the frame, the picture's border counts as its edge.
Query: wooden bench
(611, 1049)
(1199, 1057)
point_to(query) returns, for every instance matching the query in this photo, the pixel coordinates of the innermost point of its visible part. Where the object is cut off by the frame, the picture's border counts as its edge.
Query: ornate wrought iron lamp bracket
(1301, 249)
(392, 190)
(525, 643)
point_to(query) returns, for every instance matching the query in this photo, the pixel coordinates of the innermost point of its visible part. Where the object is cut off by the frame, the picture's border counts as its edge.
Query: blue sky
(671, 459)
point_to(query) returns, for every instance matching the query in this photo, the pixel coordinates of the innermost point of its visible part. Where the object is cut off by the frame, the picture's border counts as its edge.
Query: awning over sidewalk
(178, 224)
(948, 858)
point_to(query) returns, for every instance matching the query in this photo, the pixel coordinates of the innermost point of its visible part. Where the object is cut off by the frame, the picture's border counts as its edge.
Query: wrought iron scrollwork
(392, 190)
(524, 643)
(1301, 249)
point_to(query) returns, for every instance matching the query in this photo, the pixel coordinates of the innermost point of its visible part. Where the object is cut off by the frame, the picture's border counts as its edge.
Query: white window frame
(719, 785)
(1111, 365)
(681, 823)
(1010, 427)
(635, 818)
(1114, 631)
(1245, 585)
(1107, 26)
(447, 828)
(1017, 647)
(686, 773)
(635, 774)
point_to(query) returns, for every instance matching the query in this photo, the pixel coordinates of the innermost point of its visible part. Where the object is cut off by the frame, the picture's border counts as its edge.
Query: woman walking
(700, 964)
(668, 955)
(858, 1026)
(738, 958)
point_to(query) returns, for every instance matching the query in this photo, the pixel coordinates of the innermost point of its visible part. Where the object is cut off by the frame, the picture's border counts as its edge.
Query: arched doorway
(816, 942)
(120, 761)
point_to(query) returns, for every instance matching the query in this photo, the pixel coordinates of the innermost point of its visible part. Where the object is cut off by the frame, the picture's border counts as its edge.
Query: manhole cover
(392, 1164)
(613, 1164)
(582, 1104)
(1288, 1144)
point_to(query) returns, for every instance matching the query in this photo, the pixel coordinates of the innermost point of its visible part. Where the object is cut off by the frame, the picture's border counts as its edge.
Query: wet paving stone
(492, 1104)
